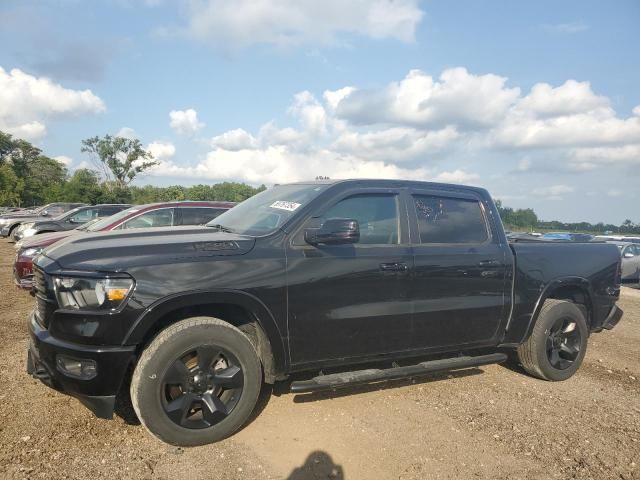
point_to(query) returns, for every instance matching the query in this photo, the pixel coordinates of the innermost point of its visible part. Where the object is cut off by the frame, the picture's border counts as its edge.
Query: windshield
(69, 214)
(267, 211)
(84, 227)
(106, 221)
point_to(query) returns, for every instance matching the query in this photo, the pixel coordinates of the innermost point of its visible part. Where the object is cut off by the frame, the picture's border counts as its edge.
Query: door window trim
(413, 216)
(403, 217)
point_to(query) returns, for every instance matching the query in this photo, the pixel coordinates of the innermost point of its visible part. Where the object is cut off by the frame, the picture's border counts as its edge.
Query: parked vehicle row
(308, 277)
(67, 221)
(168, 214)
(9, 222)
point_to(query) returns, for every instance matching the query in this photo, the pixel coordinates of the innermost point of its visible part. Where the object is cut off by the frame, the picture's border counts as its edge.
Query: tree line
(29, 178)
(525, 219)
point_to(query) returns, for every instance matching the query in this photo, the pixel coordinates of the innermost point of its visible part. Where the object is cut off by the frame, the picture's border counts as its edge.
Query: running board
(359, 377)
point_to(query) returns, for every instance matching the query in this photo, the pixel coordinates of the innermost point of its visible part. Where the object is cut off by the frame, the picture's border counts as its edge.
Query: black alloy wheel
(557, 345)
(202, 387)
(563, 343)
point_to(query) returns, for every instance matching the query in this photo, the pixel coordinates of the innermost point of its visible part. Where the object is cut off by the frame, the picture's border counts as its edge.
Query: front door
(351, 300)
(460, 272)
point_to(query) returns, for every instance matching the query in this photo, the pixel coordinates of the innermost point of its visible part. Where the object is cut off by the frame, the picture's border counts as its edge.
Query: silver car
(630, 260)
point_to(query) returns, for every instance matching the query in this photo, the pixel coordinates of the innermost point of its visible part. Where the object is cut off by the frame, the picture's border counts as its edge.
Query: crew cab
(322, 277)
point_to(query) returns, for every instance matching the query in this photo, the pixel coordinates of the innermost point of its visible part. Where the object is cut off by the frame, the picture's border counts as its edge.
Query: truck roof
(391, 183)
(396, 183)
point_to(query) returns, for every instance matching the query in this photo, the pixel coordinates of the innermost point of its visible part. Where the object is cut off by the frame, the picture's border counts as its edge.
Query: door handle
(394, 267)
(489, 263)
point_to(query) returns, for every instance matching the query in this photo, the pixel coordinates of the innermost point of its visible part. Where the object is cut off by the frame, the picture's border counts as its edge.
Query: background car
(9, 222)
(141, 216)
(630, 253)
(567, 237)
(67, 221)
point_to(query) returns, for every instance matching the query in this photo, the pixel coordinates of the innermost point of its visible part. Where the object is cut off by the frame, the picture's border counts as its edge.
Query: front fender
(145, 322)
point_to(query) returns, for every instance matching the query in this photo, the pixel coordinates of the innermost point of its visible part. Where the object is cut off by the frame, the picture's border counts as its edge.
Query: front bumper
(97, 393)
(18, 236)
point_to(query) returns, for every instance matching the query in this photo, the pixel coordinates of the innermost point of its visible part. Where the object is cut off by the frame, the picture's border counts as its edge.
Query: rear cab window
(448, 220)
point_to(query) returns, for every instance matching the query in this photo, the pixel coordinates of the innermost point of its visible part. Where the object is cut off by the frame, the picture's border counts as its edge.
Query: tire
(561, 328)
(166, 389)
(12, 232)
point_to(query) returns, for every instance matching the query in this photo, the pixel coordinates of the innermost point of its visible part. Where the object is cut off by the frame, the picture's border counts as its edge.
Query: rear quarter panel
(542, 267)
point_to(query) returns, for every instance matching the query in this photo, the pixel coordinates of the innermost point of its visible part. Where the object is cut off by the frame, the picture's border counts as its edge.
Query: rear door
(460, 271)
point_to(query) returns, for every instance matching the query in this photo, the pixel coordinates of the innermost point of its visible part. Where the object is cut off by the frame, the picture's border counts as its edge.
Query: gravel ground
(493, 422)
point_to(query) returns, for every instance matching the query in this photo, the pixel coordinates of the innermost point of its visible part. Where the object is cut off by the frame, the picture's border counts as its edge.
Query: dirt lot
(494, 422)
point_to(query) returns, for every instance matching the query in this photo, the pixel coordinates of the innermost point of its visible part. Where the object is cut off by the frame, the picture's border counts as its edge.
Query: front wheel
(558, 343)
(197, 382)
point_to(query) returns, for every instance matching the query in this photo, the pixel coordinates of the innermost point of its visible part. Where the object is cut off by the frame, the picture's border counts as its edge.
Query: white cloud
(569, 98)
(457, 98)
(161, 150)
(28, 102)
(456, 176)
(432, 129)
(291, 23)
(185, 122)
(127, 132)
(553, 192)
(233, 140)
(63, 159)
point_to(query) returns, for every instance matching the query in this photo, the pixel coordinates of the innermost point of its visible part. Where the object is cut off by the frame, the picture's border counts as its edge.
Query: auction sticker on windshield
(282, 205)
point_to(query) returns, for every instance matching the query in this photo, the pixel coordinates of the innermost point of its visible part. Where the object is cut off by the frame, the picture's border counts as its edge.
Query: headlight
(80, 293)
(31, 252)
(24, 226)
(29, 232)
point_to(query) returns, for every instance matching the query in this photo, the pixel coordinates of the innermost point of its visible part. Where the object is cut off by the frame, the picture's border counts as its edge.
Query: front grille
(45, 304)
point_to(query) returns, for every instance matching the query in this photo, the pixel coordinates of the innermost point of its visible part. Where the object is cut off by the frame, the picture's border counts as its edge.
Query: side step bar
(359, 377)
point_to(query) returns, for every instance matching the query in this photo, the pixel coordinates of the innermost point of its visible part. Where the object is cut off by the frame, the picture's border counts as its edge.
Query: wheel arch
(577, 290)
(235, 307)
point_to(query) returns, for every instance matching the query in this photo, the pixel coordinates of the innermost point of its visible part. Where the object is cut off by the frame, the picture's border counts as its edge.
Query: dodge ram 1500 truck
(322, 277)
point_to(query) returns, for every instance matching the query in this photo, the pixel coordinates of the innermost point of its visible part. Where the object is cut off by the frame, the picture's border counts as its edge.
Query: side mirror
(44, 214)
(334, 231)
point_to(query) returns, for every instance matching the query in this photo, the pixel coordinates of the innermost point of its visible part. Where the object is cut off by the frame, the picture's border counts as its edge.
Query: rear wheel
(558, 343)
(197, 382)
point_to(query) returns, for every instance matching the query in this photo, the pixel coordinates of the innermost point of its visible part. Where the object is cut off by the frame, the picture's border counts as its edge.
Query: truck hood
(119, 251)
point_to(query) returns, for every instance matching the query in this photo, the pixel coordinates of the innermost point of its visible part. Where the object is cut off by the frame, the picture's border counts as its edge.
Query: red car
(167, 214)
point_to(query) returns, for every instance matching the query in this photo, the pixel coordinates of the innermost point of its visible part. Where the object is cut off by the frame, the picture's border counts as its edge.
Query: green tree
(43, 181)
(10, 186)
(83, 186)
(121, 159)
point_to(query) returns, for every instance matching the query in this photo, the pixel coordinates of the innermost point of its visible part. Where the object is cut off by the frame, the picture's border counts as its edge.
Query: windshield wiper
(221, 228)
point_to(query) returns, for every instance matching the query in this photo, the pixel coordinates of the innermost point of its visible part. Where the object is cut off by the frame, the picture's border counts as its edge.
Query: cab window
(377, 216)
(449, 220)
(156, 218)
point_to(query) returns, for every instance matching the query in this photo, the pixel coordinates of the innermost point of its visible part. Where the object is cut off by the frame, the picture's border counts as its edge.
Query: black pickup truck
(357, 281)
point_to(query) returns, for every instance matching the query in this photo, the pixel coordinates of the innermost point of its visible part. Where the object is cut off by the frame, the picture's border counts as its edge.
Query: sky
(539, 102)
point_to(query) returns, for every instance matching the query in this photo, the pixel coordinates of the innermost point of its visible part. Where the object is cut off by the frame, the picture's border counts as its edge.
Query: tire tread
(162, 338)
